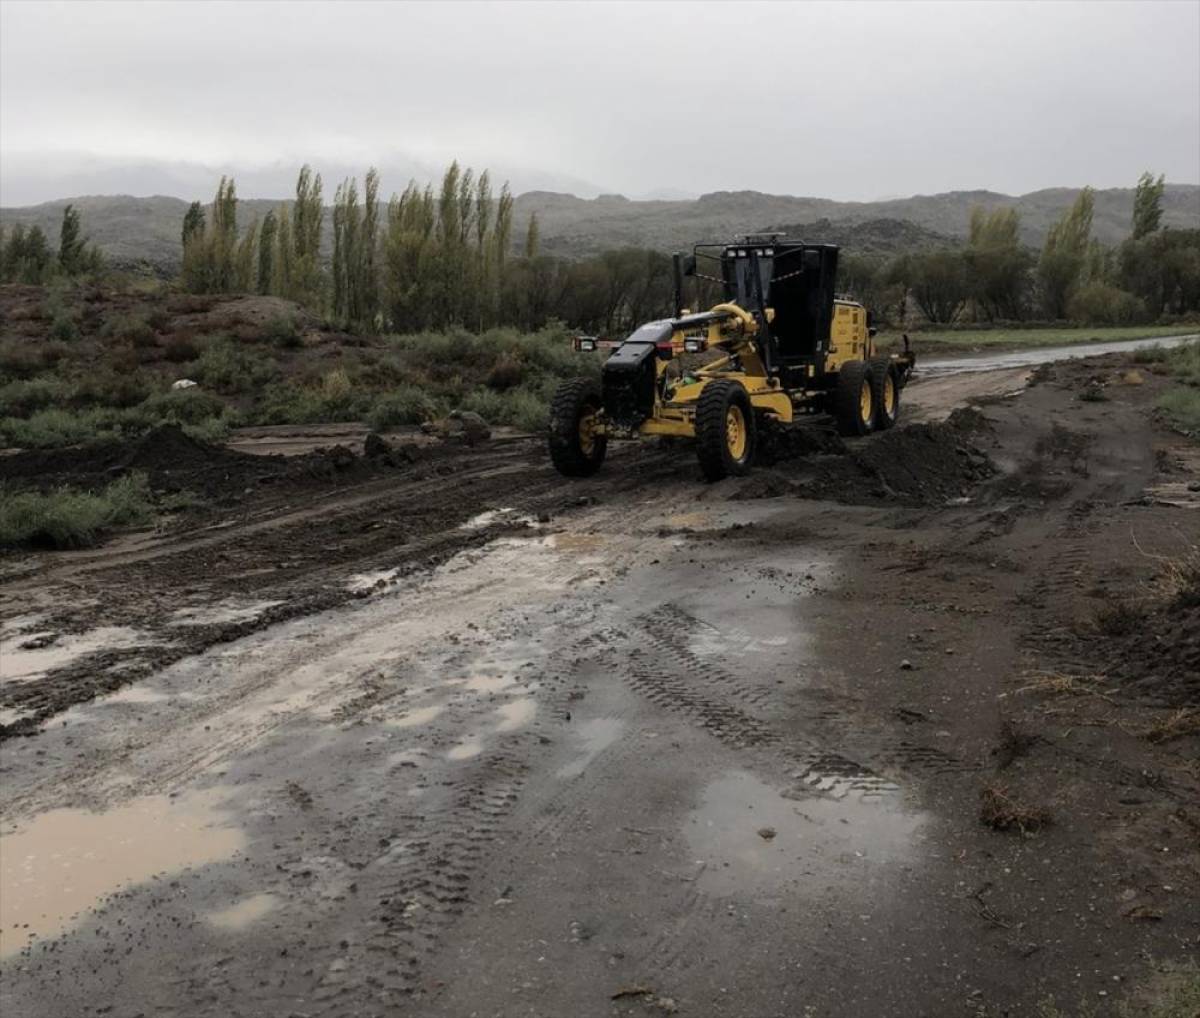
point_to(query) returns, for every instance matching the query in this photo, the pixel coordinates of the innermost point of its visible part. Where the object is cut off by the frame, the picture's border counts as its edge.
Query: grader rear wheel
(886, 391)
(854, 399)
(725, 431)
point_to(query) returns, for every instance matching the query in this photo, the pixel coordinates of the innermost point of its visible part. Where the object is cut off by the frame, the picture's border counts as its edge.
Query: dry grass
(1185, 721)
(1062, 684)
(999, 810)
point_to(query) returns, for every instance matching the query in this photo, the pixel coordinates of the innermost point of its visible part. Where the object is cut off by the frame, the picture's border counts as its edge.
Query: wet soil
(461, 737)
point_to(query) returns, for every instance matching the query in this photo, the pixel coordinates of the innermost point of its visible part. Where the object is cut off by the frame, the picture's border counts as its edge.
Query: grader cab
(781, 349)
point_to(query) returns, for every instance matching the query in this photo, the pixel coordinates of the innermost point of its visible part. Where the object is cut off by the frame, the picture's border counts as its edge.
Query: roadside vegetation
(1180, 404)
(69, 518)
(438, 301)
(453, 257)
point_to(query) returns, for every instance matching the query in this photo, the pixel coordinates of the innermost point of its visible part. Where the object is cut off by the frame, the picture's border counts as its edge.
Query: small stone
(766, 833)
(906, 665)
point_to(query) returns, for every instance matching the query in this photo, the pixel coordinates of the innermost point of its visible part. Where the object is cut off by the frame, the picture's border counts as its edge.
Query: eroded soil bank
(454, 736)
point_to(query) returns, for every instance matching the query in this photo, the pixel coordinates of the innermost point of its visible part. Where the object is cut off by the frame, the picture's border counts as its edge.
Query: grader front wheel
(577, 446)
(725, 432)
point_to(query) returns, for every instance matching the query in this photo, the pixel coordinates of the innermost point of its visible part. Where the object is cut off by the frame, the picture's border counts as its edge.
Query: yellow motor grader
(780, 350)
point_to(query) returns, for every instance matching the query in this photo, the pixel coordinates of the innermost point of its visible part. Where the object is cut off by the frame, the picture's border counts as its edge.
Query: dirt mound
(763, 484)
(1159, 659)
(922, 464)
(170, 458)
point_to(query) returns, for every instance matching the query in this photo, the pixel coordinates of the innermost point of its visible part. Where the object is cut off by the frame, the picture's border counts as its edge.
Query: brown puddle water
(749, 839)
(61, 863)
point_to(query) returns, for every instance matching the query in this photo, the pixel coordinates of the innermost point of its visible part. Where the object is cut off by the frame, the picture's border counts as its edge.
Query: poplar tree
(245, 275)
(283, 268)
(1064, 254)
(71, 244)
(305, 271)
(504, 226)
(1147, 204)
(266, 253)
(484, 299)
(532, 237)
(996, 264)
(193, 221)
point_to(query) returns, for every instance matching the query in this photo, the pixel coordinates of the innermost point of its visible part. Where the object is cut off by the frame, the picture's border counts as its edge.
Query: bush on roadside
(284, 332)
(129, 328)
(180, 349)
(111, 388)
(405, 404)
(68, 518)
(1182, 406)
(1100, 304)
(22, 398)
(64, 328)
(227, 367)
(200, 413)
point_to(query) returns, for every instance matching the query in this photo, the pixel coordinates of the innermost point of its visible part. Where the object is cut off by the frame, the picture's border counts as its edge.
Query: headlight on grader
(693, 345)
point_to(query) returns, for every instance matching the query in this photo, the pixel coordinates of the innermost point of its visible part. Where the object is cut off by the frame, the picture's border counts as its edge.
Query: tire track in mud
(431, 877)
(739, 715)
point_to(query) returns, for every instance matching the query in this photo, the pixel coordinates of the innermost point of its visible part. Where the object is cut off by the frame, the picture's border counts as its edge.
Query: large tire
(885, 389)
(854, 399)
(575, 449)
(725, 430)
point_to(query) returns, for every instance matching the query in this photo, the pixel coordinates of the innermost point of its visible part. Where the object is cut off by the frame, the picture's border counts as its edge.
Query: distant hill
(129, 230)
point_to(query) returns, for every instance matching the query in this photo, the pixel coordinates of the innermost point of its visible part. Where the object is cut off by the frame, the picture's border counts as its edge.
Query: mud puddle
(748, 839)
(63, 862)
(591, 739)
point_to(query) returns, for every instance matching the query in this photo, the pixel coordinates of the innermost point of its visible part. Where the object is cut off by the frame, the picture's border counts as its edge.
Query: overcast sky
(843, 100)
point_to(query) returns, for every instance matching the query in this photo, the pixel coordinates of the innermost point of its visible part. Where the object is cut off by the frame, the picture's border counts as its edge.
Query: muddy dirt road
(457, 737)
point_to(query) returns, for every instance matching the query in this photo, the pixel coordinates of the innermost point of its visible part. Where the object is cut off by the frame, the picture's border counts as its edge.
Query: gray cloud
(847, 101)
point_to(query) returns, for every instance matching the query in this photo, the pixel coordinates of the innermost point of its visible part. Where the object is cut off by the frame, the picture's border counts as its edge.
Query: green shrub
(52, 428)
(406, 404)
(129, 328)
(227, 367)
(67, 518)
(64, 328)
(1183, 362)
(21, 398)
(184, 406)
(1182, 406)
(111, 388)
(520, 408)
(1100, 304)
(325, 403)
(180, 349)
(284, 332)
(507, 373)
(201, 413)
(1155, 354)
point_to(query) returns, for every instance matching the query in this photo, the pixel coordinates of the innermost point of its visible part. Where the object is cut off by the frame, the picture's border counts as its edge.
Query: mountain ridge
(131, 228)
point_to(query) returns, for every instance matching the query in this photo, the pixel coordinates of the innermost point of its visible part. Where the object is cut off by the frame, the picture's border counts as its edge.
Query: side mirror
(871, 331)
(689, 265)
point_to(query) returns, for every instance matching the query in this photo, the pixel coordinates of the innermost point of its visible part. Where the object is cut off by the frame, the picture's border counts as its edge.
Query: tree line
(1153, 273)
(26, 255)
(427, 260)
